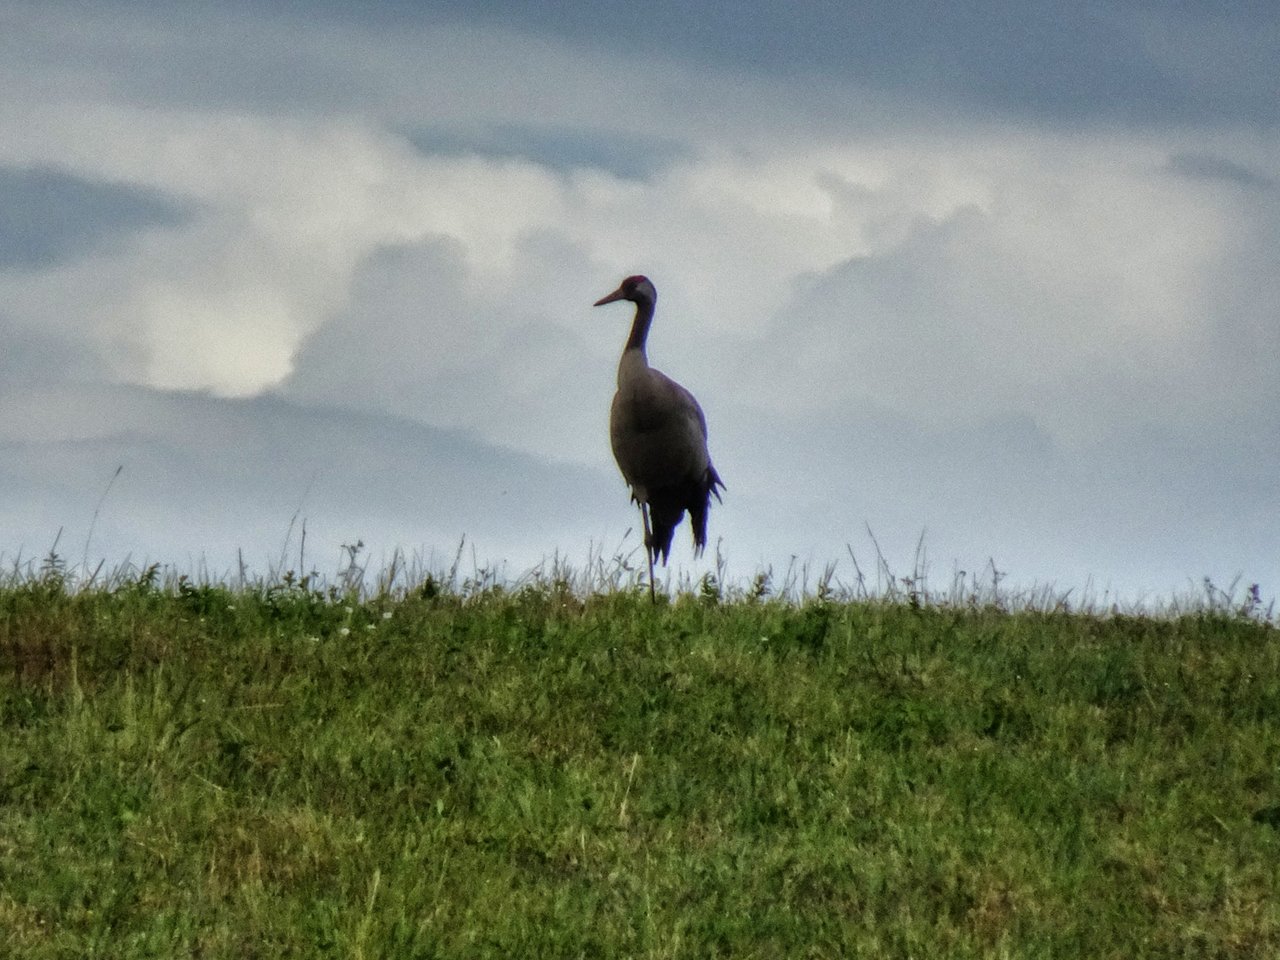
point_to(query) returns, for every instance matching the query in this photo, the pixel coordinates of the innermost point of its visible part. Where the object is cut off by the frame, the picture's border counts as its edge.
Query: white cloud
(1084, 293)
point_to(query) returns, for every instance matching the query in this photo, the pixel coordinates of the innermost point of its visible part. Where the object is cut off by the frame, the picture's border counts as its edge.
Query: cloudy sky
(1004, 277)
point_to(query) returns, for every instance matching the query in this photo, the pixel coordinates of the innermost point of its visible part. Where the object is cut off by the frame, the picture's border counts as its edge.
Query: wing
(659, 434)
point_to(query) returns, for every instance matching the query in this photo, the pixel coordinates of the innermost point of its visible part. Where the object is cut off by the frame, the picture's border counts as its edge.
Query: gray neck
(640, 325)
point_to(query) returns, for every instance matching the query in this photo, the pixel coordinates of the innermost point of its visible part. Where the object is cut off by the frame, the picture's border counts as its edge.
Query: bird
(659, 437)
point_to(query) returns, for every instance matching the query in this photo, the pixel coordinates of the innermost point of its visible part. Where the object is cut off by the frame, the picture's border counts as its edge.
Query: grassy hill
(192, 770)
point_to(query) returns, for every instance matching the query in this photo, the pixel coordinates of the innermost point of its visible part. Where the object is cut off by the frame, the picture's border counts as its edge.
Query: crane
(659, 437)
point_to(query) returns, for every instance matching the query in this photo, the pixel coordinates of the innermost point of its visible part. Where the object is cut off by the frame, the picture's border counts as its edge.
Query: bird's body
(659, 437)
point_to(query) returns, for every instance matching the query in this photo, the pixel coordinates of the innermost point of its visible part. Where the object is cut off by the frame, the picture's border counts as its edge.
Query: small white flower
(344, 632)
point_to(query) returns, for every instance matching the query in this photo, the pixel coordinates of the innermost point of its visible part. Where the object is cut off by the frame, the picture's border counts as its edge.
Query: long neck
(640, 325)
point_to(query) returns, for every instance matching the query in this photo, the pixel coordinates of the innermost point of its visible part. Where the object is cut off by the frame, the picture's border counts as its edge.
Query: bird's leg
(648, 548)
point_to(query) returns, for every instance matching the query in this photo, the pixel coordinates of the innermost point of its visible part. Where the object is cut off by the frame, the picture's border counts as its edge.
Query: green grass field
(199, 771)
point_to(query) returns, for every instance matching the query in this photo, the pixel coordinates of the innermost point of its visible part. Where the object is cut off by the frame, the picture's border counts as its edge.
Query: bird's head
(637, 289)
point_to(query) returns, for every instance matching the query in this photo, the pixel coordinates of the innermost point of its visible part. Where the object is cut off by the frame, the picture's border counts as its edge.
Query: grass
(284, 771)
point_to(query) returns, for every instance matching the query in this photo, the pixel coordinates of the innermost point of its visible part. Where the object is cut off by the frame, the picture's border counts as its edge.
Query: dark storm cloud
(51, 216)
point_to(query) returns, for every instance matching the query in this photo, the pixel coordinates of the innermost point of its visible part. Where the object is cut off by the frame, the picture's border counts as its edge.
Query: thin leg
(648, 548)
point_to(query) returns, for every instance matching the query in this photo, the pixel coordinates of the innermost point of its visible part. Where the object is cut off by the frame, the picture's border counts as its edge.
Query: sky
(992, 289)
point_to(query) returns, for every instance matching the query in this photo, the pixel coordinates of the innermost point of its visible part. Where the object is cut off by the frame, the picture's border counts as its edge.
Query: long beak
(616, 295)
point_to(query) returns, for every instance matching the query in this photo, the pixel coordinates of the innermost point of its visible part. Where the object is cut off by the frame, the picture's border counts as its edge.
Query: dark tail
(701, 506)
(667, 507)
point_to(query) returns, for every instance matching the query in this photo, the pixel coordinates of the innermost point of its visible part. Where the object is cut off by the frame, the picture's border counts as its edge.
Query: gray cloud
(1206, 166)
(425, 336)
(1123, 61)
(159, 55)
(205, 478)
(1143, 515)
(1116, 61)
(629, 156)
(914, 283)
(208, 480)
(51, 216)
(44, 356)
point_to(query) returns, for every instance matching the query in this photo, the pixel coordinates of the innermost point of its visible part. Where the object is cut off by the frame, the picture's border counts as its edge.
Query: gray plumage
(659, 437)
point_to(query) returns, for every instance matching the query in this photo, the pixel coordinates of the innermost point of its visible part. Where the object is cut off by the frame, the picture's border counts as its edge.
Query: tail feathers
(668, 505)
(662, 524)
(712, 480)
